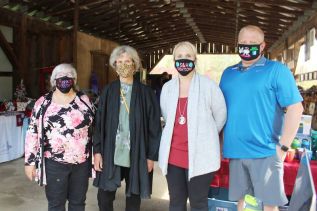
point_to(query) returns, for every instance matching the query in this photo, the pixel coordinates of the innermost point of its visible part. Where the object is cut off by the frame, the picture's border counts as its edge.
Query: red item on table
(28, 112)
(179, 146)
(2, 107)
(19, 120)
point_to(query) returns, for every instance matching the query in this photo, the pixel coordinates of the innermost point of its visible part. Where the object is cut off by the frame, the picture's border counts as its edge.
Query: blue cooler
(221, 205)
(218, 193)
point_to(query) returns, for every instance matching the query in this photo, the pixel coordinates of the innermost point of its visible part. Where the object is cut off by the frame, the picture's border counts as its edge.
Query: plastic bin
(221, 205)
(218, 193)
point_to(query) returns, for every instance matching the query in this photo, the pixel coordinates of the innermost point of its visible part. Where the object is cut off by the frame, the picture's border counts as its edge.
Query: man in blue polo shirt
(258, 132)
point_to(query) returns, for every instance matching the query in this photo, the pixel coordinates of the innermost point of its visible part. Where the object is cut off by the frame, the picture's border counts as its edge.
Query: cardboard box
(305, 125)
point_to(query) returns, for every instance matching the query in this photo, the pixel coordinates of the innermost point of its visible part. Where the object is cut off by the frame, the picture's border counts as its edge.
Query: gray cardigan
(206, 115)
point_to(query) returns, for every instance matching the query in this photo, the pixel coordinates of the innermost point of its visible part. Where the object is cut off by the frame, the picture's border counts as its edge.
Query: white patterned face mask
(125, 70)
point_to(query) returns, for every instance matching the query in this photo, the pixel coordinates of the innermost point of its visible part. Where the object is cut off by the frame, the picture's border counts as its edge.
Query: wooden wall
(295, 36)
(85, 44)
(36, 44)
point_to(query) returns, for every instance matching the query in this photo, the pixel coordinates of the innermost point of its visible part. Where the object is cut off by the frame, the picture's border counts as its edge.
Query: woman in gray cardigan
(194, 110)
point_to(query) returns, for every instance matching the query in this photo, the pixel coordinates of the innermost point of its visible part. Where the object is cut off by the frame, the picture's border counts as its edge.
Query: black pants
(106, 198)
(66, 182)
(180, 189)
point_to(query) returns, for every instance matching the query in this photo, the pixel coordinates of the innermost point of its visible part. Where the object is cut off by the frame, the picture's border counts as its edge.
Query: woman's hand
(150, 165)
(30, 172)
(98, 165)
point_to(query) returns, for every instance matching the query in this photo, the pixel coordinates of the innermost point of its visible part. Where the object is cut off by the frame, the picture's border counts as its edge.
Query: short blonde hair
(61, 68)
(187, 45)
(118, 51)
(252, 28)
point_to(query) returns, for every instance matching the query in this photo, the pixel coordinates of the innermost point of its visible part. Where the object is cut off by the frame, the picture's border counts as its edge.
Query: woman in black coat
(127, 134)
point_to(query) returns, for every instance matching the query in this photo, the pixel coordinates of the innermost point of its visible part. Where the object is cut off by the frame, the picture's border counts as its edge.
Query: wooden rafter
(148, 24)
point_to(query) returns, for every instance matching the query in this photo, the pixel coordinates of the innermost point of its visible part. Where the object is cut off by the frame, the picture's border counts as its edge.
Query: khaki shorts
(262, 178)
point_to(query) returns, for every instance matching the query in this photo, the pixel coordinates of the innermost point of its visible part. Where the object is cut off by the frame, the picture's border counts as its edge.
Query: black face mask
(249, 52)
(64, 84)
(184, 66)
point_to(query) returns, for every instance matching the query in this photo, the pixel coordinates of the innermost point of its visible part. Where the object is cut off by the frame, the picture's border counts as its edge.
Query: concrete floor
(17, 193)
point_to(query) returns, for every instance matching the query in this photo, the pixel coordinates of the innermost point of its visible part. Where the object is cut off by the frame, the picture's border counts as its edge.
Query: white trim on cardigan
(206, 116)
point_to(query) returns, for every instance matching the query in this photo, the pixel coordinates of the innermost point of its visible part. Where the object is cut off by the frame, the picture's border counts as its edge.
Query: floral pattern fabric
(65, 130)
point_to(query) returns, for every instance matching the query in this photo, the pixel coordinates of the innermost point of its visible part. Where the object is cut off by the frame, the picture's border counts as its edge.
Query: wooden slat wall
(86, 44)
(35, 44)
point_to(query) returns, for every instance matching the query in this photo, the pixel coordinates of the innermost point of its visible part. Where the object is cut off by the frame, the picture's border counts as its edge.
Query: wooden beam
(271, 3)
(9, 18)
(39, 5)
(22, 71)
(56, 7)
(6, 74)
(275, 3)
(71, 9)
(75, 30)
(197, 8)
(165, 41)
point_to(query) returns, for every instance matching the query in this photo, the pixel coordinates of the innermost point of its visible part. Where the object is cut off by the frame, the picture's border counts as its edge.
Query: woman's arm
(218, 106)
(97, 122)
(98, 127)
(154, 126)
(32, 143)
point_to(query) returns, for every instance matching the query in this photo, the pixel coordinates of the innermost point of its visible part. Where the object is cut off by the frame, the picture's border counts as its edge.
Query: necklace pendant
(181, 120)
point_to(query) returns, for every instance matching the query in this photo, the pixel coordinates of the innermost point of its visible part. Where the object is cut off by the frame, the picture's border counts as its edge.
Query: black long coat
(145, 134)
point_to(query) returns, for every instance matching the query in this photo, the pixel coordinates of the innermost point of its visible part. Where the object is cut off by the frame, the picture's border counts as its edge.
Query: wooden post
(23, 57)
(75, 30)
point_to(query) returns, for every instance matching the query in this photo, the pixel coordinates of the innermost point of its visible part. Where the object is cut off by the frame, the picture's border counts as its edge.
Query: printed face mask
(64, 84)
(184, 66)
(125, 70)
(249, 52)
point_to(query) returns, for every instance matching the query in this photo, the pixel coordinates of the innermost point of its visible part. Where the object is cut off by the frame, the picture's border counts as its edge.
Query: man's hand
(30, 172)
(98, 165)
(150, 165)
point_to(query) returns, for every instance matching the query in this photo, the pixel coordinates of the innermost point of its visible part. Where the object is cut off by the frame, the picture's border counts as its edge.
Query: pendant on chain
(181, 120)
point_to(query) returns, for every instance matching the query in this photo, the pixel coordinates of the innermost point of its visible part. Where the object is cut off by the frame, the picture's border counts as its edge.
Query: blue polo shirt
(256, 98)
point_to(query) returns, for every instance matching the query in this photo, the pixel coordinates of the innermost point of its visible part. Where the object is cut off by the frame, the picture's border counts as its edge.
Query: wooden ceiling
(158, 24)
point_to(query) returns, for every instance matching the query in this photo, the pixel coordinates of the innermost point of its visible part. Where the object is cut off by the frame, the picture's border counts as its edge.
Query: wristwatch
(283, 147)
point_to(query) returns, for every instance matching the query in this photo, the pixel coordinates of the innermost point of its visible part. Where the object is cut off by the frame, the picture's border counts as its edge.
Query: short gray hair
(60, 68)
(125, 49)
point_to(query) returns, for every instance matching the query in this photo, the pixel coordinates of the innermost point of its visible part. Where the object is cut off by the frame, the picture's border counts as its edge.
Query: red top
(179, 146)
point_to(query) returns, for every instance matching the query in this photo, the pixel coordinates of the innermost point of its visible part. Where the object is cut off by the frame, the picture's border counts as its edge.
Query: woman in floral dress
(58, 143)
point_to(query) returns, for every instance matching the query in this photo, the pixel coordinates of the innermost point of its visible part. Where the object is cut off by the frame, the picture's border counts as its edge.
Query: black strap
(90, 132)
(79, 94)
(44, 107)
